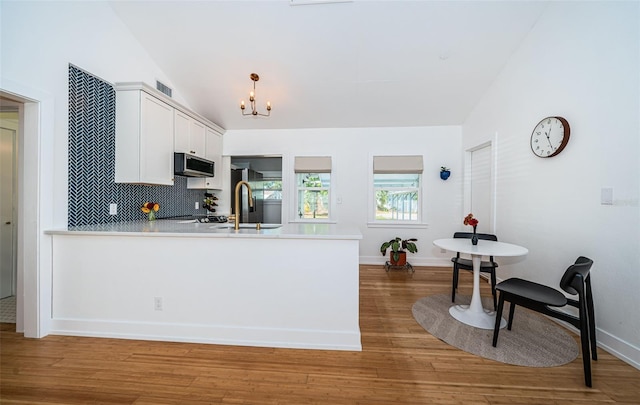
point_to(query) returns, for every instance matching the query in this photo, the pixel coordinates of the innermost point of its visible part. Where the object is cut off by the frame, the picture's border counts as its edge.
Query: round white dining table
(475, 314)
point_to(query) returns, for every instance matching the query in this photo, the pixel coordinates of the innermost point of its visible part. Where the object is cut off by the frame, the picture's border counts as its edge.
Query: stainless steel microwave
(188, 165)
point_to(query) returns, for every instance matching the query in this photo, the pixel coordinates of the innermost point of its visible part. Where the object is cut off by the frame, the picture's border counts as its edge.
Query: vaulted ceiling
(332, 65)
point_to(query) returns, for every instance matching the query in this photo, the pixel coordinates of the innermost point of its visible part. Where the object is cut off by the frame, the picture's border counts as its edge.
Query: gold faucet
(237, 207)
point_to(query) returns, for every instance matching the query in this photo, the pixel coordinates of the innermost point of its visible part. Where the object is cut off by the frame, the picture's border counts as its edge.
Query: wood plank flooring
(400, 364)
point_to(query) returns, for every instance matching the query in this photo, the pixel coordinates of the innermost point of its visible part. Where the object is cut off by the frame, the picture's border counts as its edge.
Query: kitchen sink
(247, 226)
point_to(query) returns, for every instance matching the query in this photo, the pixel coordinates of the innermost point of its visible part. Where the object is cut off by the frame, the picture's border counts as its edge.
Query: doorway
(264, 175)
(9, 127)
(479, 186)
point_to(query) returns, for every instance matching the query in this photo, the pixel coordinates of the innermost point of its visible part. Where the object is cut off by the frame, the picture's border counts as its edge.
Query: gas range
(203, 218)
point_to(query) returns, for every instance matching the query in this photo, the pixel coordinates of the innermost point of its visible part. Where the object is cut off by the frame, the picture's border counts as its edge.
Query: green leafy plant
(444, 169)
(398, 245)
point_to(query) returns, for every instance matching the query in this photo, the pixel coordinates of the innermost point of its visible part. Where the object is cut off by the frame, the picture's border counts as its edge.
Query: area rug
(534, 341)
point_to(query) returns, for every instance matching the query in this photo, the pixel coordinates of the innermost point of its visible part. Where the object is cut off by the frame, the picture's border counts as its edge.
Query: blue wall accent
(92, 144)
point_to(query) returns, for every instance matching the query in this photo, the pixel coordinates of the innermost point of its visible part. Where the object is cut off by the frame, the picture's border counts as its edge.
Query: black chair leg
(454, 284)
(493, 289)
(592, 320)
(496, 328)
(512, 310)
(584, 338)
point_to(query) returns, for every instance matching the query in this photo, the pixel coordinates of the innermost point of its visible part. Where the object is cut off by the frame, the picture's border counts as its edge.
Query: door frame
(493, 181)
(35, 184)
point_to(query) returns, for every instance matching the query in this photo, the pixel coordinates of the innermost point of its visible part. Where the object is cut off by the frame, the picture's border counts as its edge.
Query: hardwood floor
(400, 364)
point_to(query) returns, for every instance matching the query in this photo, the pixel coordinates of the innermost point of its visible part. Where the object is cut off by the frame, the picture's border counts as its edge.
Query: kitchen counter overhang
(296, 286)
(168, 227)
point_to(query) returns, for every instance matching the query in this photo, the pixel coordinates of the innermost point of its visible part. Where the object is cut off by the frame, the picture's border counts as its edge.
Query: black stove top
(202, 218)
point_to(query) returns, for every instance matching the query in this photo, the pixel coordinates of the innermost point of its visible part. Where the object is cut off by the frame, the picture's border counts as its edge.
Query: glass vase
(151, 215)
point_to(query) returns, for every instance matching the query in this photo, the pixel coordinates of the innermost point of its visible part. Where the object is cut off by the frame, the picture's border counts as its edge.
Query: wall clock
(550, 137)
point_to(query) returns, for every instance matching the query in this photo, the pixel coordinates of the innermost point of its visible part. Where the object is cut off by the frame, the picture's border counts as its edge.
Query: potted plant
(398, 255)
(445, 172)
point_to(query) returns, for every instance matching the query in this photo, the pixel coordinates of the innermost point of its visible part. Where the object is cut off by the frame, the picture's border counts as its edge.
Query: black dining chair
(460, 263)
(543, 299)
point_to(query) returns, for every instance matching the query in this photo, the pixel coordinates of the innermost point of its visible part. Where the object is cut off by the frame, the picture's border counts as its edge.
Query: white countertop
(172, 228)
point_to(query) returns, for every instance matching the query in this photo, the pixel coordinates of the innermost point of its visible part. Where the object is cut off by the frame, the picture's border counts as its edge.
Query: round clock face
(550, 137)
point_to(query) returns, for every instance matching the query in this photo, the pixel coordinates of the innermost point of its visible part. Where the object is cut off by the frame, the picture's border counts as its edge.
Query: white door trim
(492, 144)
(35, 184)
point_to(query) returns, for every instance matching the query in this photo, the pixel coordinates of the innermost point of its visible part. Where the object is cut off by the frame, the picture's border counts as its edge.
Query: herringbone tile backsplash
(92, 144)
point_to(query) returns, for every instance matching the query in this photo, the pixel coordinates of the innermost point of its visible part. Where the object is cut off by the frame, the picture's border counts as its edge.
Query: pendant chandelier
(252, 100)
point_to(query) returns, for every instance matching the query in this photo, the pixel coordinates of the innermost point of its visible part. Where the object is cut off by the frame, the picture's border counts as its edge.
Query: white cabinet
(144, 138)
(190, 136)
(213, 152)
(150, 127)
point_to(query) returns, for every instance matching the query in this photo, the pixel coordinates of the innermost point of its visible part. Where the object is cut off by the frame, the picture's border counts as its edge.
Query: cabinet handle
(9, 222)
(193, 152)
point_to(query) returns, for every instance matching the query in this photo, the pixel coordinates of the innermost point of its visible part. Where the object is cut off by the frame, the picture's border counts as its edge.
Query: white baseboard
(212, 334)
(415, 261)
(623, 350)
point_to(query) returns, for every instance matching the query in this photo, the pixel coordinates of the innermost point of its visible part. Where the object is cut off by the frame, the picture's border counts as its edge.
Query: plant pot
(402, 259)
(445, 174)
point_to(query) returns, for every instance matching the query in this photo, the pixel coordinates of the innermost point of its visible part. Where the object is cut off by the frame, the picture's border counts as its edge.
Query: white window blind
(397, 164)
(312, 164)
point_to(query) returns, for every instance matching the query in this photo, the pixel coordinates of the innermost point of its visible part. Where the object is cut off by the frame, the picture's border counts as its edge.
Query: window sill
(311, 221)
(413, 225)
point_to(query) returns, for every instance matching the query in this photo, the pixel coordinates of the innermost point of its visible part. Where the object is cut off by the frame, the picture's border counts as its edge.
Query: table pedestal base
(485, 319)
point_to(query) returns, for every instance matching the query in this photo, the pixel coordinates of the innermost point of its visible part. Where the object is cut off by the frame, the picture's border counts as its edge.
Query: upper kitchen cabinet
(189, 135)
(144, 137)
(213, 152)
(150, 127)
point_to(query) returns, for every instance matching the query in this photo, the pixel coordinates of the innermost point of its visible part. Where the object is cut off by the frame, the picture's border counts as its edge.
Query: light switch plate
(197, 204)
(606, 196)
(113, 209)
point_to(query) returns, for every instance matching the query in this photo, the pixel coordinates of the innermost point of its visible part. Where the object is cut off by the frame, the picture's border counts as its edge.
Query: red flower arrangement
(471, 221)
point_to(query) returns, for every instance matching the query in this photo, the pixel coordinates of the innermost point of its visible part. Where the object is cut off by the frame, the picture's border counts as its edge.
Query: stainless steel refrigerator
(248, 214)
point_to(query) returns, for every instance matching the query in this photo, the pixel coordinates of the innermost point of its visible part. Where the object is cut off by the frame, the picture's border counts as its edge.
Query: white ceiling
(354, 64)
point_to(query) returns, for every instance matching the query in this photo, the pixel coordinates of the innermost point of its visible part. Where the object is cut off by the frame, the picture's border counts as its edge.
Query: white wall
(38, 41)
(351, 150)
(581, 61)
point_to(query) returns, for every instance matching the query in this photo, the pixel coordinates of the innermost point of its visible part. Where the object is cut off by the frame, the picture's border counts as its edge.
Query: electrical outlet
(113, 209)
(197, 204)
(157, 303)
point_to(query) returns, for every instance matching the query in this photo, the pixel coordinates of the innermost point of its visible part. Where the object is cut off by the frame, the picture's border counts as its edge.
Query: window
(396, 189)
(313, 188)
(273, 189)
(397, 196)
(313, 195)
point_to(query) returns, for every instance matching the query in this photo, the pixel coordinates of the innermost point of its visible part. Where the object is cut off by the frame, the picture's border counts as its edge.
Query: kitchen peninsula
(293, 286)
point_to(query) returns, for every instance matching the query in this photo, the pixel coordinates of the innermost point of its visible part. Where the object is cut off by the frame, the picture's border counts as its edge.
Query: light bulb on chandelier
(252, 100)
